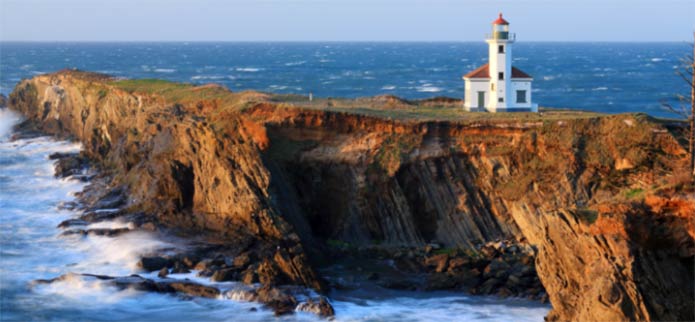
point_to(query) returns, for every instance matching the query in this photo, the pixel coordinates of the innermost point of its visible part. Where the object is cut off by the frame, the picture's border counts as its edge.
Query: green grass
(334, 243)
(448, 251)
(634, 193)
(587, 215)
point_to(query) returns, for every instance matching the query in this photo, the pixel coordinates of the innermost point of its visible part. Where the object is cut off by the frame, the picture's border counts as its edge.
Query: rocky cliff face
(597, 196)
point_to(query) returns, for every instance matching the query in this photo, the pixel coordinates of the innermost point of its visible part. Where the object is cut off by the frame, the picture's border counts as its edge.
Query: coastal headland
(588, 211)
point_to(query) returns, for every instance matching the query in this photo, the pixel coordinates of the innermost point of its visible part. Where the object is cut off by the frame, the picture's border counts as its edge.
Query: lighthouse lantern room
(498, 86)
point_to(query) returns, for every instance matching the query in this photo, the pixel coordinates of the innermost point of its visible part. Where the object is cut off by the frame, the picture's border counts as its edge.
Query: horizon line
(337, 41)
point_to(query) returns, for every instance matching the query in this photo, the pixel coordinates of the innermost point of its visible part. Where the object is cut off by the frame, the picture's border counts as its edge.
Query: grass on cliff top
(175, 92)
(386, 107)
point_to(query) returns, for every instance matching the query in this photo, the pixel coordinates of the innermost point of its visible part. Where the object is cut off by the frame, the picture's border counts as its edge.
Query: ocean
(606, 77)
(602, 77)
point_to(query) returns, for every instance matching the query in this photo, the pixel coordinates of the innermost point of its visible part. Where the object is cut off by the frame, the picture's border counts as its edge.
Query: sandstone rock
(194, 289)
(203, 265)
(439, 262)
(279, 301)
(224, 274)
(243, 260)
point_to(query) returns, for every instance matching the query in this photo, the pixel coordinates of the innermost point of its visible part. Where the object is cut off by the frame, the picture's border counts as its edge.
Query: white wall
(520, 84)
(473, 86)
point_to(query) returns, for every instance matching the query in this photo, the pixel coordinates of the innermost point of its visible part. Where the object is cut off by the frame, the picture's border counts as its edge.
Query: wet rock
(269, 274)
(281, 302)
(458, 264)
(399, 284)
(163, 272)
(321, 307)
(203, 264)
(153, 263)
(107, 232)
(243, 260)
(440, 281)
(489, 286)
(241, 294)
(194, 289)
(68, 164)
(149, 226)
(224, 274)
(438, 262)
(72, 222)
(113, 199)
(73, 232)
(180, 268)
(208, 272)
(189, 261)
(408, 264)
(249, 276)
(373, 276)
(67, 205)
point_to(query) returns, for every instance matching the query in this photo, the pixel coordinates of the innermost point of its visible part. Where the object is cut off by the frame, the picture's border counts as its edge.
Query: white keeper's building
(498, 86)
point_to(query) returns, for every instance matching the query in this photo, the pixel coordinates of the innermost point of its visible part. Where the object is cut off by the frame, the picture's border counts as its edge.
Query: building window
(500, 75)
(500, 49)
(521, 96)
(501, 99)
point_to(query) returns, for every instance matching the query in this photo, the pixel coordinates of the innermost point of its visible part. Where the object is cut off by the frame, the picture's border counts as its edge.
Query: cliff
(597, 195)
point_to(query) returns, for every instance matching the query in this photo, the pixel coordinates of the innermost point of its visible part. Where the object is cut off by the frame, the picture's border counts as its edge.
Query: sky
(343, 20)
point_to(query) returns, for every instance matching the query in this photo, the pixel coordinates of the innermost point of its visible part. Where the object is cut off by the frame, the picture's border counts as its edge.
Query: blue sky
(343, 20)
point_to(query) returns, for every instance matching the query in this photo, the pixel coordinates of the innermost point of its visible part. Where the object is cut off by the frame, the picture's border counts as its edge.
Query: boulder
(224, 274)
(281, 302)
(321, 307)
(154, 263)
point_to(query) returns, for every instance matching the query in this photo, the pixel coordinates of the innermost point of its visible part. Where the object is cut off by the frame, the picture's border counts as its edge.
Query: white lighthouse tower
(498, 86)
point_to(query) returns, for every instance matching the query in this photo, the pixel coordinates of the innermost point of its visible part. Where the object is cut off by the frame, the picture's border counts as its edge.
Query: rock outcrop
(598, 196)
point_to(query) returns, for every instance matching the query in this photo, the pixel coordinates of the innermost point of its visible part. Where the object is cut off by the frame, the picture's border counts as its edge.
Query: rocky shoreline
(501, 268)
(277, 195)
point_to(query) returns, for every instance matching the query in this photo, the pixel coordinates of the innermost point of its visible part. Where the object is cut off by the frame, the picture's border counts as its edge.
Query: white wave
(8, 118)
(602, 88)
(388, 87)
(115, 224)
(657, 59)
(429, 89)
(296, 63)
(208, 77)
(114, 255)
(247, 69)
(165, 70)
(548, 78)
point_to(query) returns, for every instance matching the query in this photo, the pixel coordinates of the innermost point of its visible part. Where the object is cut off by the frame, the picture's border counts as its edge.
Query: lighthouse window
(500, 49)
(500, 75)
(521, 96)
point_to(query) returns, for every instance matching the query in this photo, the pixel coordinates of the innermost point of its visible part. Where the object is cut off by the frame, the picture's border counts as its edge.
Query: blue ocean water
(604, 77)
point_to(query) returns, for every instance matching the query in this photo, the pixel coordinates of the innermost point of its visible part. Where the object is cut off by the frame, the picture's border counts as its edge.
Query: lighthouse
(498, 86)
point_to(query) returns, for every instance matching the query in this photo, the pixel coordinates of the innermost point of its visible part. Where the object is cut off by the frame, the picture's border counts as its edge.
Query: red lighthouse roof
(500, 21)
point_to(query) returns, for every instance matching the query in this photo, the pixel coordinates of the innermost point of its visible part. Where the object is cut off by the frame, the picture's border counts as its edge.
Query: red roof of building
(484, 72)
(500, 21)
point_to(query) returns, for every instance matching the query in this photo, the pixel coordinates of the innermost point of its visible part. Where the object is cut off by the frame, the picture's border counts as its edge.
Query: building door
(481, 99)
